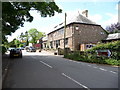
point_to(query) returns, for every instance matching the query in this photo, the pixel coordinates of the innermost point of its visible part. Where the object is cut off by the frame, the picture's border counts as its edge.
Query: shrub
(92, 58)
(91, 55)
(21, 45)
(3, 49)
(113, 62)
(114, 47)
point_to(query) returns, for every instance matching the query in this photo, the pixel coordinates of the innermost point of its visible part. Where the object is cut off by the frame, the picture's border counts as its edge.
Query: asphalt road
(44, 70)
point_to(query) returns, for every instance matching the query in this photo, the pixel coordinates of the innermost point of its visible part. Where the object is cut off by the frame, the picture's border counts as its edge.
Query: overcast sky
(103, 12)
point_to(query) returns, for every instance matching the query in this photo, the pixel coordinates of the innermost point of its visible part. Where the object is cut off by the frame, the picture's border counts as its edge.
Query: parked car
(16, 52)
(11, 48)
(22, 48)
(30, 49)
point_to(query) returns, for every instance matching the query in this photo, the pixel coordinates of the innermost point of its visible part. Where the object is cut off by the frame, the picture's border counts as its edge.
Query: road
(44, 70)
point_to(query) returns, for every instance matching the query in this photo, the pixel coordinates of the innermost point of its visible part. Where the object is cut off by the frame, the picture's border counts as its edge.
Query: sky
(103, 12)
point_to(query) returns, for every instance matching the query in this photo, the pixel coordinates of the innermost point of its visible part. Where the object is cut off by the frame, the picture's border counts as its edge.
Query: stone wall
(87, 34)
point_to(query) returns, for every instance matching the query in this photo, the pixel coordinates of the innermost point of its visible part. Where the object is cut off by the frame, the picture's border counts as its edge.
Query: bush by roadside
(3, 49)
(92, 57)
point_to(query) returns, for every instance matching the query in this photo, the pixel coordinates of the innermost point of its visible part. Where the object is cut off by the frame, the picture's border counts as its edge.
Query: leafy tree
(14, 14)
(12, 43)
(21, 36)
(24, 38)
(27, 37)
(35, 35)
(21, 45)
(4, 45)
(113, 28)
(17, 42)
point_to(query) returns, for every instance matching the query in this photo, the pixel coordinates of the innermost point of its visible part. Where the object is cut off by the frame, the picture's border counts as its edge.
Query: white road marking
(34, 57)
(78, 62)
(46, 64)
(94, 67)
(75, 81)
(82, 63)
(89, 65)
(75, 61)
(102, 69)
(113, 72)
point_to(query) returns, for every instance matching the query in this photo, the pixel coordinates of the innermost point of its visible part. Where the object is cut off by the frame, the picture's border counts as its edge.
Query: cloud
(113, 18)
(95, 18)
(116, 7)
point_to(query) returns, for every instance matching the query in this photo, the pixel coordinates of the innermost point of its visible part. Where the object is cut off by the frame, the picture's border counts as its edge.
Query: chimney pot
(85, 13)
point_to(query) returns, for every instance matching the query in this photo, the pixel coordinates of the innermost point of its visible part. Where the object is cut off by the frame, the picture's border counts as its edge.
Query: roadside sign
(103, 53)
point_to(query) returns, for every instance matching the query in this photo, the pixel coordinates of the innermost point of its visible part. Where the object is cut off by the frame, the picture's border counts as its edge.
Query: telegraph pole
(65, 34)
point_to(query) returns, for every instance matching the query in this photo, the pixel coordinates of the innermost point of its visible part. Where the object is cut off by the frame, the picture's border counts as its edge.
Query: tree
(14, 43)
(27, 37)
(35, 35)
(14, 14)
(113, 28)
(17, 42)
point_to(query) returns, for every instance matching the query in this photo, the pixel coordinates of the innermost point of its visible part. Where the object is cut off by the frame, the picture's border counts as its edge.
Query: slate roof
(113, 36)
(77, 18)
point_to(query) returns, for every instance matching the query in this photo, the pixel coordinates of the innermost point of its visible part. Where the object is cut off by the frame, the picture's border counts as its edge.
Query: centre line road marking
(113, 72)
(102, 69)
(75, 81)
(46, 64)
(94, 67)
(89, 65)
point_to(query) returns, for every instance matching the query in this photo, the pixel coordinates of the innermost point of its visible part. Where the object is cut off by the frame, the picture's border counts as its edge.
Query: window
(45, 45)
(66, 41)
(61, 31)
(58, 42)
(76, 27)
(88, 46)
(51, 44)
(54, 43)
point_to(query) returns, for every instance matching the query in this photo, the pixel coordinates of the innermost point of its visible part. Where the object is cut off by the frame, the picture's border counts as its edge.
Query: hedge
(91, 55)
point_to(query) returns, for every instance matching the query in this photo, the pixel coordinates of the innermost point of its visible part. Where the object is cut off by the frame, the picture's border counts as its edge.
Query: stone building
(44, 42)
(81, 34)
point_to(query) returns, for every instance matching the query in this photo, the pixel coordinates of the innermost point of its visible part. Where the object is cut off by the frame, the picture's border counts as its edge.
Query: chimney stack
(85, 13)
